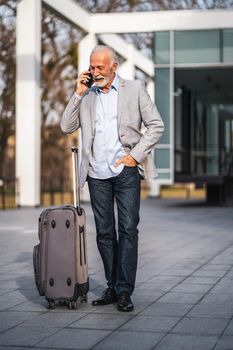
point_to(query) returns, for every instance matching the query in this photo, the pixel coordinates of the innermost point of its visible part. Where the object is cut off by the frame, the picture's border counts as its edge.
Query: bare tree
(143, 41)
(105, 6)
(7, 83)
(58, 76)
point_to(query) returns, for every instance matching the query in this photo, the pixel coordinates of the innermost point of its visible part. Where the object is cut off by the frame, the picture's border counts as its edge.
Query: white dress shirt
(106, 148)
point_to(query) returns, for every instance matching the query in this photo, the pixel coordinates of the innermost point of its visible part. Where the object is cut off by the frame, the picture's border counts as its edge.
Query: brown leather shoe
(108, 297)
(124, 302)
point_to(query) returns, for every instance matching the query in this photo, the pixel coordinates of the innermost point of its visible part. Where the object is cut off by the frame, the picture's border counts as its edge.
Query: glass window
(165, 176)
(162, 48)
(162, 158)
(228, 45)
(162, 81)
(202, 46)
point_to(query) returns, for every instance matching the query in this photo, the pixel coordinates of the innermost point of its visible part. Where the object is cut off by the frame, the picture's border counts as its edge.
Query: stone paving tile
(186, 342)
(163, 285)
(54, 319)
(182, 298)
(22, 337)
(10, 285)
(209, 273)
(23, 348)
(5, 290)
(10, 299)
(122, 340)
(150, 323)
(9, 319)
(40, 304)
(199, 326)
(112, 309)
(146, 297)
(217, 298)
(148, 289)
(229, 329)
(215, 267)
(212, 311)
(223, 287)
(191, 288)
(202, 280)
(187, 264)
(175, 310)
(73, 338)
(176, 272)
(224, 343)
(171, 280)
(101, 321)
(37, 304)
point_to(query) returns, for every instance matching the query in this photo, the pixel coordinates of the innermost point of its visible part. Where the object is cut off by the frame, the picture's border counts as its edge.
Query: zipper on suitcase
(80, 244)
(81, 229)
(84, 247)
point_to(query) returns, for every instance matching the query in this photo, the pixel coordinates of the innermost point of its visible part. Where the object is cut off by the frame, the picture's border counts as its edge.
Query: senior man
(115, 156)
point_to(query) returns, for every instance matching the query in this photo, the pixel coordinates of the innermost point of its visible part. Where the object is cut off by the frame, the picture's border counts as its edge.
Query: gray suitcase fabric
(60, 259)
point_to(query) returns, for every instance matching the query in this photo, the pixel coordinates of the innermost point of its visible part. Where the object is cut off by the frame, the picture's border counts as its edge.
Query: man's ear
(115, 66)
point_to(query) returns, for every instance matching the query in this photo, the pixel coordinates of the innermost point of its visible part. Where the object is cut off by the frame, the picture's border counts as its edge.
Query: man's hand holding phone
(84, 82)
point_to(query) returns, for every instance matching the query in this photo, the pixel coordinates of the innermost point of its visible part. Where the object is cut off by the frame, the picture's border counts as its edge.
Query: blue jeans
(119, 255)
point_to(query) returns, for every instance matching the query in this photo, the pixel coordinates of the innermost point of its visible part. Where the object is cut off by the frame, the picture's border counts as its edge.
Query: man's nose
(95, 72)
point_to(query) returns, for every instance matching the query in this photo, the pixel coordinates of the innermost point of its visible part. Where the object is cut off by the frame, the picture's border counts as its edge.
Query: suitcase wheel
(72, 305)
(51, 305)
(83, 298)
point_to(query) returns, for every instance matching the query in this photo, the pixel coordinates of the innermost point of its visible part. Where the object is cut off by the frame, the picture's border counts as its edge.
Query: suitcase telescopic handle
(76, 187)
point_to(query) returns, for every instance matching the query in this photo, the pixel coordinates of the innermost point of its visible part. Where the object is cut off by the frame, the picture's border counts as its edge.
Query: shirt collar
(114, 85)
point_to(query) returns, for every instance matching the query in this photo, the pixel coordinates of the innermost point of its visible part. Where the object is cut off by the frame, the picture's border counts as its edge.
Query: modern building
(194, 93)
(190, 77)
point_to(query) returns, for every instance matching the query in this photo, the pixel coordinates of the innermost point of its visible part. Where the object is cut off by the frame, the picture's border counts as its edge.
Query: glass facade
(162, 84)
(197, 46)
(227, 45)
(162, 47)
(194, 94)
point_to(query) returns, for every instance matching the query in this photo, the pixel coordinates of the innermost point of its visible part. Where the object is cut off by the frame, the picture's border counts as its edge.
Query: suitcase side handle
(76, 187)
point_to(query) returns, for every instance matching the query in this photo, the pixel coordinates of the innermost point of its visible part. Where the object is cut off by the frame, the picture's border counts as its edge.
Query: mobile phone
(89, 82)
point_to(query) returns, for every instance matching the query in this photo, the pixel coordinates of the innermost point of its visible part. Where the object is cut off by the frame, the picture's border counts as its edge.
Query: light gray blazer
(134, 107)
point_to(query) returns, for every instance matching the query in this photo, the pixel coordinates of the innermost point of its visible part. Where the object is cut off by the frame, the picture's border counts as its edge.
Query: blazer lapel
(121, 91)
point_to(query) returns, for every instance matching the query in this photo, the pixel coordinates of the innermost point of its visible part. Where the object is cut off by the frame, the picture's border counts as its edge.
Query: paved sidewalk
(183, 298)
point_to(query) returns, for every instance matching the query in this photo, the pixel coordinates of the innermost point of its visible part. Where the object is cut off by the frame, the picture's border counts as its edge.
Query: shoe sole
(102, 304)
(125, 309)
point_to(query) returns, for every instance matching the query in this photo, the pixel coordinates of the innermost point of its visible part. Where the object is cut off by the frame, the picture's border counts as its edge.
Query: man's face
(102, 68)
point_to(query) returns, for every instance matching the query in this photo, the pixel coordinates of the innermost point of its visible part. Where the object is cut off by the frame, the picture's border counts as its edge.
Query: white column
(28, 112)
(127, 69)
(151, 89)
(86, 45)
(154, 185)
(154, 188)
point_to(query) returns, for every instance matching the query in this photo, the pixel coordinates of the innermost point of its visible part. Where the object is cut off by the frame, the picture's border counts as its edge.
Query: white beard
(103, 82)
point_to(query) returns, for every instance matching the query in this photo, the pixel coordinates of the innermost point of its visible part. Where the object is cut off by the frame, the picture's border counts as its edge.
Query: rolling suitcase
(60, 258)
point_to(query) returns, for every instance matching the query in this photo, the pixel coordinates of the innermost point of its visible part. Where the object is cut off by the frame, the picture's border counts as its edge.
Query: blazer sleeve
(70, 120)
(153, 123)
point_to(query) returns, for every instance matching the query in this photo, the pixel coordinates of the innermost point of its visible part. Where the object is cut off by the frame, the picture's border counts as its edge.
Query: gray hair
(99, 48)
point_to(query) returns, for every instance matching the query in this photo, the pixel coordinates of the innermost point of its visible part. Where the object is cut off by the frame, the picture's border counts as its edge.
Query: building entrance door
(226, 143)
(203, 122)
